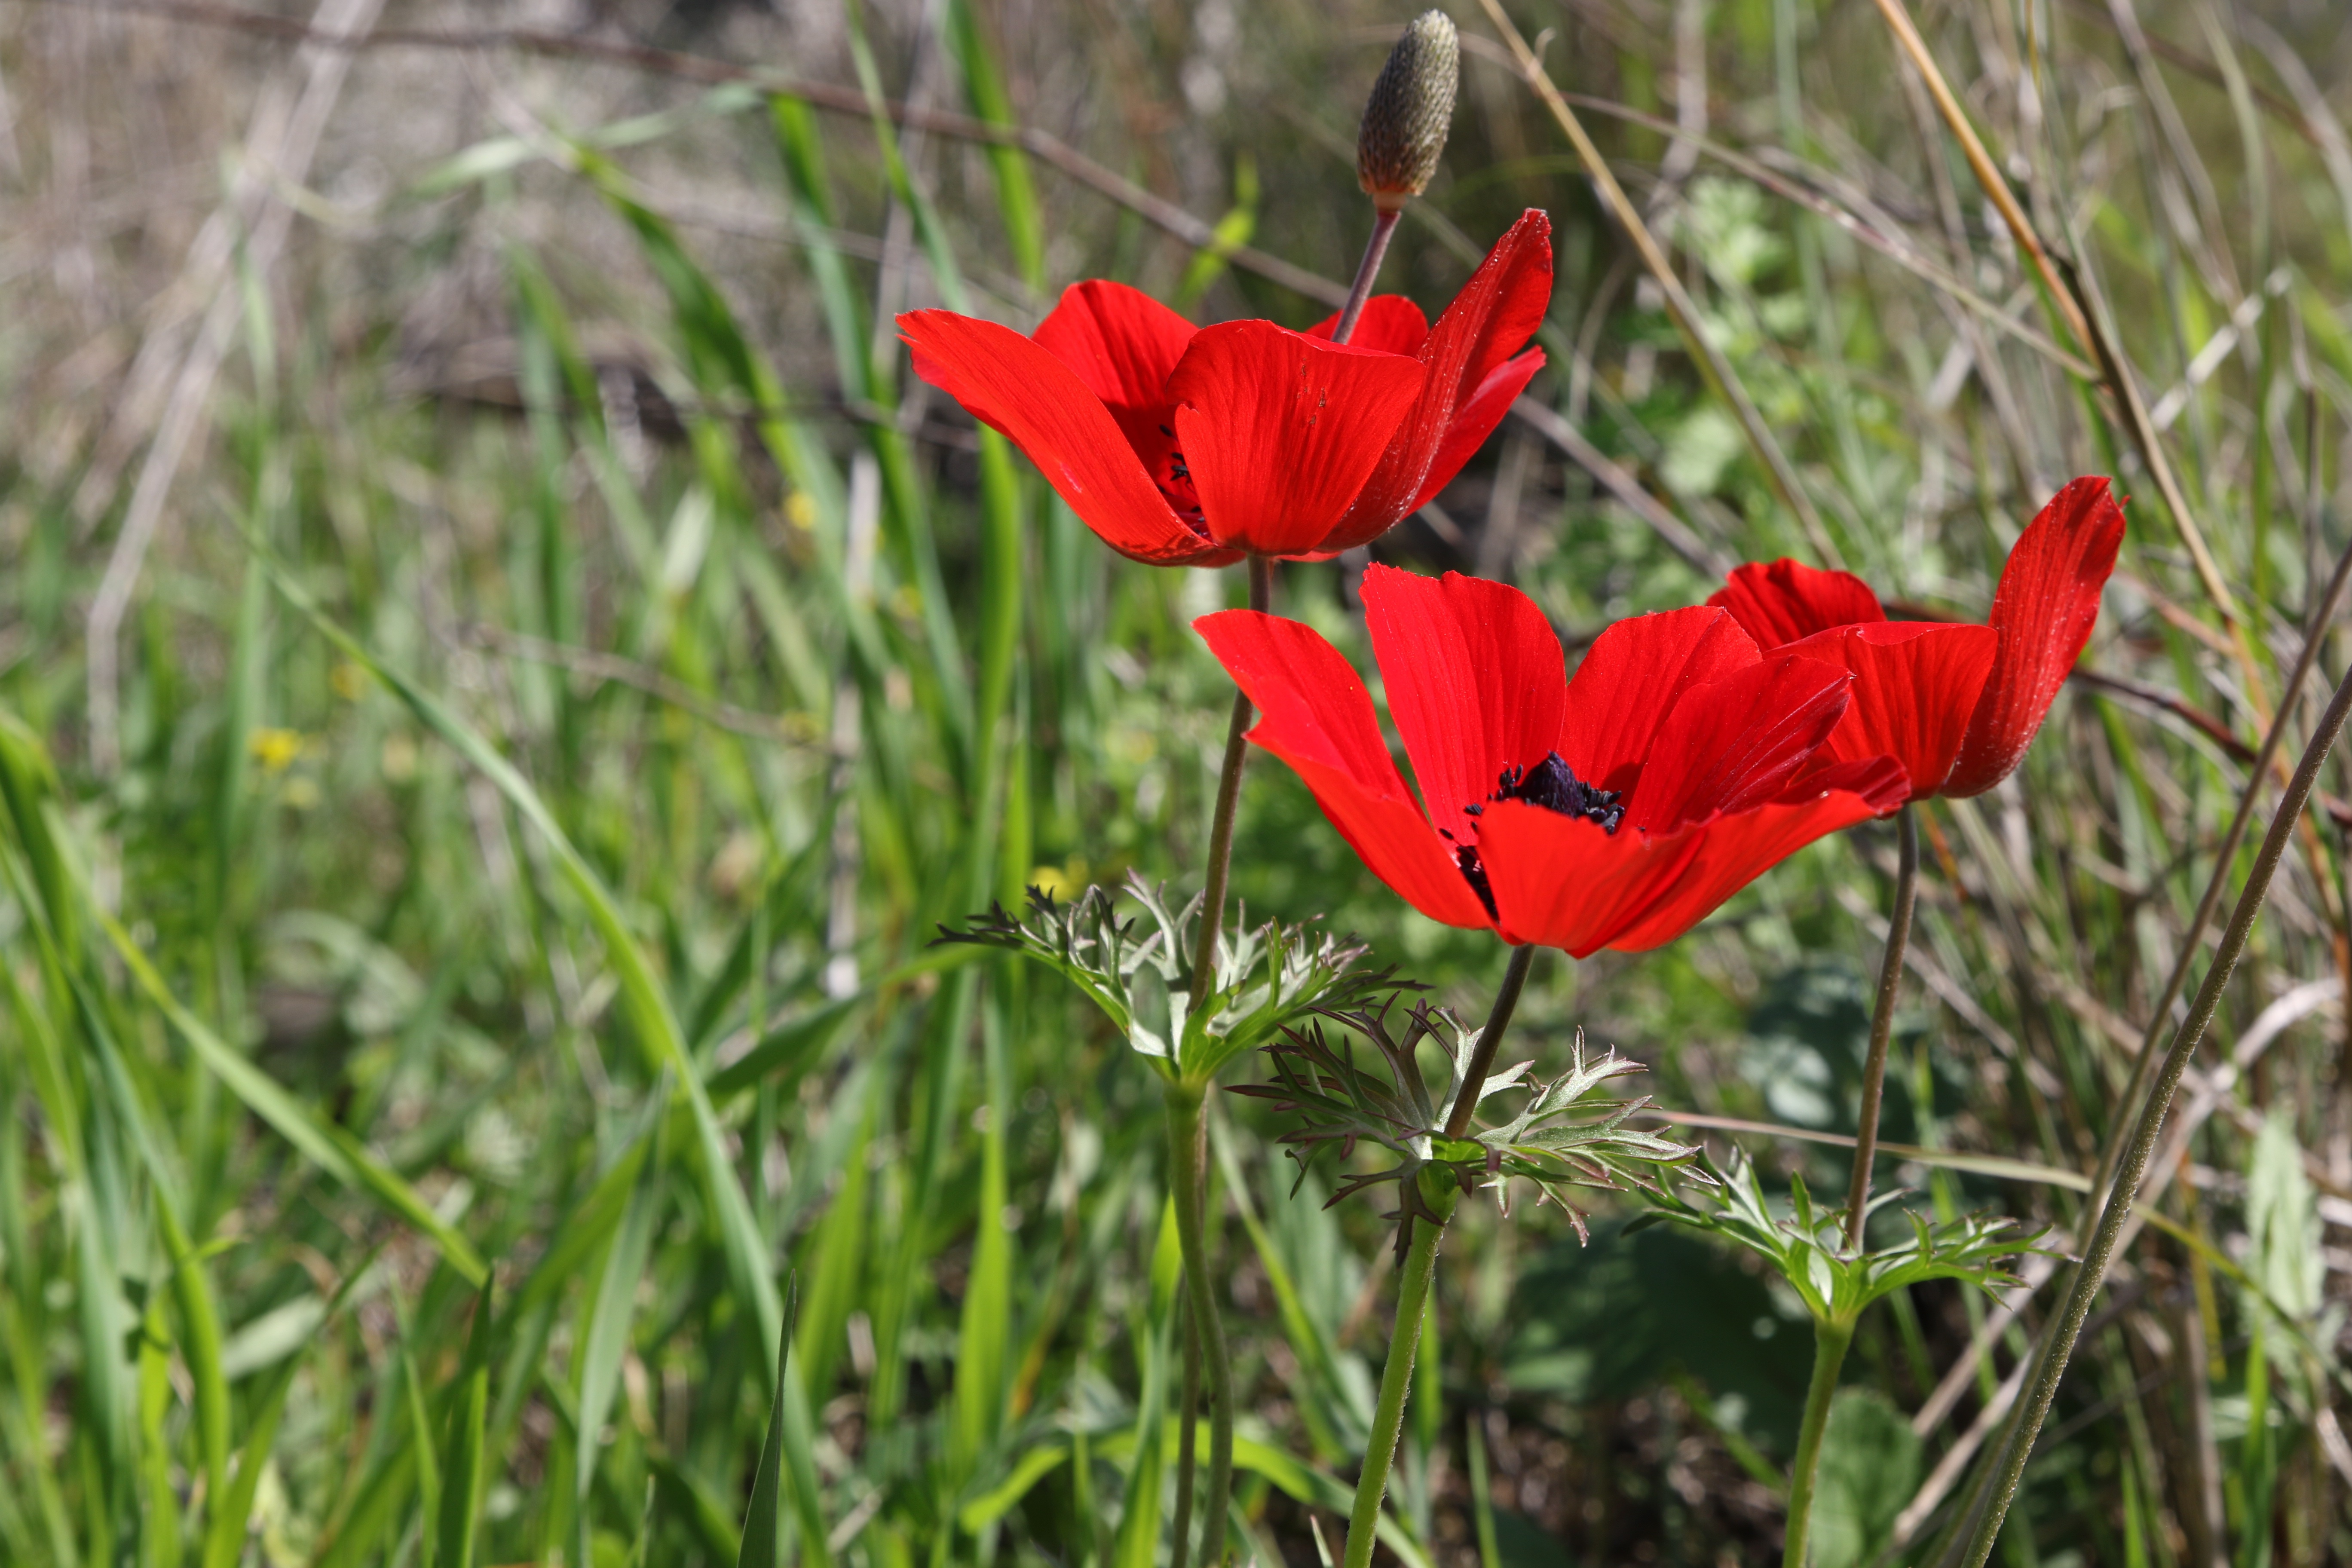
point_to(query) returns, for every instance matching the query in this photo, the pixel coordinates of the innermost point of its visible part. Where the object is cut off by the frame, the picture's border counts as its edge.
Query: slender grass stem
(1369, 269)
(2091, 1272)
(1396, 1384)
(1188, 1150)
(1829, 1341)
(1882, 1029)
(2192, 941)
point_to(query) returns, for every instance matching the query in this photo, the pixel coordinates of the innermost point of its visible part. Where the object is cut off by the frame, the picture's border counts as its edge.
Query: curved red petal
(1733, 851)
(1120, 342)
(1788, 600)
(1564, 882)
(2044, 608)
(1916, 684)
(1389, 322)
(1475, 420)
(1279, 431)
(1737, 742)
(1475, 683)
(1318, 718)
(1631, 680)
(1039, 403)
(1881, 781)
(1496, 312)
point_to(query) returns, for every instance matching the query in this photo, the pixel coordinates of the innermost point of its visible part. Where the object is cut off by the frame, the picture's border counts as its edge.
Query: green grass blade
(324, 1144)
(763, 1544)
(463, 1476)
(610, 1312)
(987, 1330)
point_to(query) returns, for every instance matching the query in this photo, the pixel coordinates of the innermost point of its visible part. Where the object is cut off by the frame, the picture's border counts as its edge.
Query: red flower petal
(1631, 680)
(1878, 779)
(1280, 431)
(1732, 852)
(1564, 882)
(1474, 679)
(1735, 743)
(1476, 419)
(1042, 407)
(1124, 344)
(1318, 718)
(1389, 322)
(1497, 312)
(1916, 683)
(2047, 602)
(1120, 342)
(1789, 600)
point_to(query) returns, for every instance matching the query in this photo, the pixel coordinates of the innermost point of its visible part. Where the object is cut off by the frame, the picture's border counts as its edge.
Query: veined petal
(1389, 322)
(1474, 419)
(2044, 608)
(1496, 312)
(1475, 683)
(1916, 683)
(1039, 403)
(1120, 342)
(1737, 742)
(1318, 718)
(1279, 430)
(1789, 600)
(1631, 680)
(1564, 882)
(1734, 850)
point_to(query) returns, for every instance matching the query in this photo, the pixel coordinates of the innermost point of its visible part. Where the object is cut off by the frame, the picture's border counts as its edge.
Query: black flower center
(1553, 786)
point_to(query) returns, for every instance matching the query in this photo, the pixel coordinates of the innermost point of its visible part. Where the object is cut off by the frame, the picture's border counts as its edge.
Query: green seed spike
(1410, 111)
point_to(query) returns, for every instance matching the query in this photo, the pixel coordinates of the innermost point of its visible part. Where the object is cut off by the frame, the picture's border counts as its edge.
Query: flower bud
(1409, 114)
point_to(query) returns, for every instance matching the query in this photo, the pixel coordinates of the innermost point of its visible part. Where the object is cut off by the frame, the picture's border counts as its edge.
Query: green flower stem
(1881, 1025)
(1383, 225)
(1188, 1133)
(1420, 1263)
(1490, 1040)
(1187, 1432)
(1188, 1152)
(1829, 1341)
(1396, 1377)
(2090, 1273)
(1221, 824)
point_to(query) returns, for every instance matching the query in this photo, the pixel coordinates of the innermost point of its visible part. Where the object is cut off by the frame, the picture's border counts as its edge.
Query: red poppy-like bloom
(1956, 705)
(1195, 447)
(1616, 809)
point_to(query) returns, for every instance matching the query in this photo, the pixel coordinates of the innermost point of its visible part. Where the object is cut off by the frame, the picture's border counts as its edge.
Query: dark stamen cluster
(1553, 786)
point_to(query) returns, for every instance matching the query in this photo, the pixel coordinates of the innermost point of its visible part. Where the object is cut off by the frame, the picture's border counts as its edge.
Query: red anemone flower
(1956, 705)
(1616, 809)
(1195, 447)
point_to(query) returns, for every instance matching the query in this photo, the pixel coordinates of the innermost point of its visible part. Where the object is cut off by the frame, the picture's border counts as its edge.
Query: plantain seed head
(1409, 114)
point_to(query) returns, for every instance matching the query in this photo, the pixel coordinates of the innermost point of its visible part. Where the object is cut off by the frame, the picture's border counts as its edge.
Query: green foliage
(1266, 975)
(1561, 1137)
(1807, 1245)
(580, 665)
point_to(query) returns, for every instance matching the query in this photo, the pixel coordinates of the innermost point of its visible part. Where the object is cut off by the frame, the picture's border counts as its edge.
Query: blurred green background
(504, 673)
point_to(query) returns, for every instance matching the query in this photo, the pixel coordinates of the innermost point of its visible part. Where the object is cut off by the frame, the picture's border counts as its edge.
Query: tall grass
(478, 1088)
